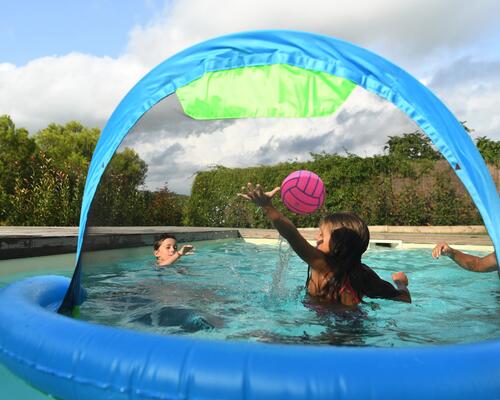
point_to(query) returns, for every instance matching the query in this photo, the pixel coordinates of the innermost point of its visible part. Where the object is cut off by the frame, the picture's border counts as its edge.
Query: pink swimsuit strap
(346, 287)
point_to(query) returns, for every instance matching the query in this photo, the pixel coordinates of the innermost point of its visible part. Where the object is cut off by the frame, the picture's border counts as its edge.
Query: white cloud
(470, 88)
(174, 155)
(6, 67)
(437, 41)
(407, 33)
(60, 89)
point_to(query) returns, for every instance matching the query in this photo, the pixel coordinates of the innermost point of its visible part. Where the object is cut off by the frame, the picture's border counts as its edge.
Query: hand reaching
(401, 281)
(257, 196)
(187, 249)
(441, 249)
(400, 277)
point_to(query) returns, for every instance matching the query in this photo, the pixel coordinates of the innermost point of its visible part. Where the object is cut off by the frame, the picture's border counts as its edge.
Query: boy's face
(167, 249)
(323, 238)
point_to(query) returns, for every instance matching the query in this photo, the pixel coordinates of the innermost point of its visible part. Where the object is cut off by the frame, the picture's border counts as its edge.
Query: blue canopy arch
(312, 52)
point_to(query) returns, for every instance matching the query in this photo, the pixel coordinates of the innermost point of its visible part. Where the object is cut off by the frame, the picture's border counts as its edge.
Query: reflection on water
(187, 320)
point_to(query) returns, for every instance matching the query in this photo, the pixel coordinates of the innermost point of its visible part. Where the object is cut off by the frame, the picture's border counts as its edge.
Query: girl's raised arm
(286, 228)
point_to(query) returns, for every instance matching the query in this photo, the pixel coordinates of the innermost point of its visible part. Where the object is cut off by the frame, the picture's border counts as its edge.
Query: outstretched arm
(466, 261)
(376, 287)
(184, 250)
(312, 256)
(401, 281)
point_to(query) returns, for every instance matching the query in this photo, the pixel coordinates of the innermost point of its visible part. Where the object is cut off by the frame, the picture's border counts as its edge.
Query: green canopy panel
(267, 91)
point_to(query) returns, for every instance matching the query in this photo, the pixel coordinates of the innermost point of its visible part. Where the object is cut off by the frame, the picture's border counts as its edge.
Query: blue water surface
(235, 290)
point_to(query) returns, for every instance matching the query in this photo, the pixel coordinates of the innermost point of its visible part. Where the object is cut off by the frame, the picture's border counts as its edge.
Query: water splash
(278, 289)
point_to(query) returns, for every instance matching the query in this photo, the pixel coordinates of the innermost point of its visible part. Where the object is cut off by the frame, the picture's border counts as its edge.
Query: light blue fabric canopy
(315, 53)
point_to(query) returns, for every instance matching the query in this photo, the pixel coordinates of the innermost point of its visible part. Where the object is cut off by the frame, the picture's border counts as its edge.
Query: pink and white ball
(303, 192)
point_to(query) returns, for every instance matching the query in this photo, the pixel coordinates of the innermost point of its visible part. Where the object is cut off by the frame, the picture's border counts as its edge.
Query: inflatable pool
(72, 359)
(76, 360)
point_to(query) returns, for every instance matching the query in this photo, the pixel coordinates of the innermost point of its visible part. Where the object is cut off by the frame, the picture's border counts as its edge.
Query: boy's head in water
(165, 250)
(165, 247)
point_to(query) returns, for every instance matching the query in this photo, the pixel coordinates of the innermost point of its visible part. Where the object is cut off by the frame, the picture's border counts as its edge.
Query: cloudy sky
(75, 60)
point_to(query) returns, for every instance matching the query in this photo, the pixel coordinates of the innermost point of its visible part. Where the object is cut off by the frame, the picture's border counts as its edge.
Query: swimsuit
(346, 287)
(368, 283)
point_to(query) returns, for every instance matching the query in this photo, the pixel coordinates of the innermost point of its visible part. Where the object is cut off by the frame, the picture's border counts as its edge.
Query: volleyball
(303, 192)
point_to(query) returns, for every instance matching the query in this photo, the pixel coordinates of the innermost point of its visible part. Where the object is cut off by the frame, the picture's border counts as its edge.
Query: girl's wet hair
(350, 236)
(158, 243)
(348, 241)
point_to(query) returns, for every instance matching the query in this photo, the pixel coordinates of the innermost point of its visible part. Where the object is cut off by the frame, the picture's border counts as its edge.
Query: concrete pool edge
(385, 243)
(22, 242)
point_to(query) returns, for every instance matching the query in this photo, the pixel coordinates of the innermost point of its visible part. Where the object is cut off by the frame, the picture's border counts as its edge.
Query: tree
(413, 146)
(48, 196)
(16, 151)
(467, 129)
(69, 146)
(118, 200)
(489, 149)
(165, 208)
(42, 178)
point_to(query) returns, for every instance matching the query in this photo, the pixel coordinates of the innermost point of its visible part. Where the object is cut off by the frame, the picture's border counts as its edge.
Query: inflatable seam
(75, 378)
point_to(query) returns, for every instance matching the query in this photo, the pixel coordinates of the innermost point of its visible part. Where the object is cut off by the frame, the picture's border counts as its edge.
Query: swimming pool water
(240, 291)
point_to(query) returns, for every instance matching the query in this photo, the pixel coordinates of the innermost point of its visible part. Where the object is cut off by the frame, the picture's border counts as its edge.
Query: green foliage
(119, 200)
(413, 146)
(47, 197)
(42, 180)
(16, 152)
(165, 208)
(47, 175)
(448, 207)
(410, 208)
(70, 146)
(378, 200)
(214, 202)
(383, 190)
(489, 149)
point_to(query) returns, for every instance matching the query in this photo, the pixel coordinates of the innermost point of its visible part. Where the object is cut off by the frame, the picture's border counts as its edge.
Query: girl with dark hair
(336, 273)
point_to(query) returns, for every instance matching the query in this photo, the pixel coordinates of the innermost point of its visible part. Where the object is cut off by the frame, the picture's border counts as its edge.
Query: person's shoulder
(363, 276)
(365, 269)
(372, 285)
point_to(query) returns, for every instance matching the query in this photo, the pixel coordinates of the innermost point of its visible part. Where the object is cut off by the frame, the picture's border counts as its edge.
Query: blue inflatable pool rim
(73, 359)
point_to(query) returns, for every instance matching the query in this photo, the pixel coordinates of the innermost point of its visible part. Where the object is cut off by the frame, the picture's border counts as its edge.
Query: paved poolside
(19, 242)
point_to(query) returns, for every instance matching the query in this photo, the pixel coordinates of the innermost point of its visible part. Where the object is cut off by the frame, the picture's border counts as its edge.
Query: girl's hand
(400, 277)
(257, 196)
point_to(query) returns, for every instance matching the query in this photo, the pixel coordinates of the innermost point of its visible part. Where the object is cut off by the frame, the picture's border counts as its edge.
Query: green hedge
(42, 178)
(384, 190)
